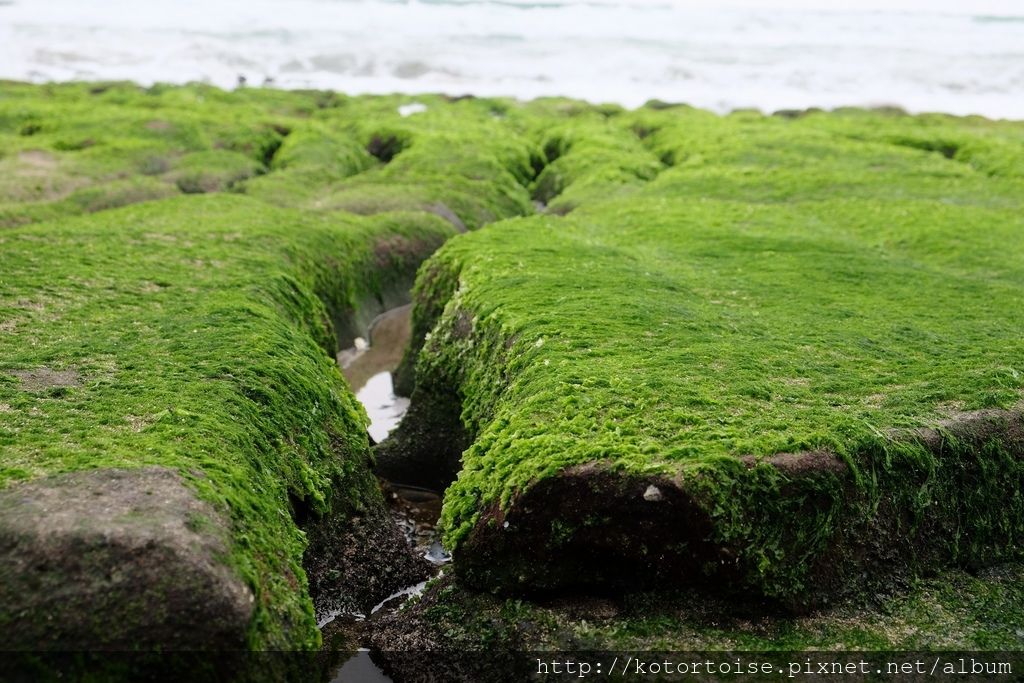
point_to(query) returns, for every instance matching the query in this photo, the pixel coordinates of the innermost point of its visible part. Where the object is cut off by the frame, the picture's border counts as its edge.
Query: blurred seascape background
(950, 56)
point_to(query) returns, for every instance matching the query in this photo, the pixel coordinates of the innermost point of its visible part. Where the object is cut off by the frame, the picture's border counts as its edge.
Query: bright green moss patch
(76, 148)
(455, 160)
(782, 289)
(196, 333)
(212, 171)
(590, 158)
(626, 376)
(852, 154)
(471, 161)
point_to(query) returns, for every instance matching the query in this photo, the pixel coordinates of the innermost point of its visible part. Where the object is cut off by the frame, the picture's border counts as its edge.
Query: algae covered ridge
(769, 354)
(772, 356)
(192, 330)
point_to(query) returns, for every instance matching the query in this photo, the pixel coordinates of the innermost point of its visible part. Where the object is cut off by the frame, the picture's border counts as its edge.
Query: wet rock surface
(76, 548)
(415, 513)
(354, 564)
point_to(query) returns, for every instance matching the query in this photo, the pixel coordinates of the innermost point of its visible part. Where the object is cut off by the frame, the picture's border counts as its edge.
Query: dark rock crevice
(426, 450)
(355, 561)
(386, 146)
(356, 556)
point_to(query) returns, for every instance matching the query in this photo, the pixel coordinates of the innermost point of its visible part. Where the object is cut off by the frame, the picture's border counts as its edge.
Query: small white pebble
(653, 494)
(505, 525)
(360, 344)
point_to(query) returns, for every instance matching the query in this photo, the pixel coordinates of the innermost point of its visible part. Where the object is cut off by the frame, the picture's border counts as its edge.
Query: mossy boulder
(195, 335)
(138, 543)
(212, 171)
(736, 374)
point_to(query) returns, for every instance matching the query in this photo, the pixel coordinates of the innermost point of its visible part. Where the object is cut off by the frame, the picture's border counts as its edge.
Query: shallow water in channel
(367, 366)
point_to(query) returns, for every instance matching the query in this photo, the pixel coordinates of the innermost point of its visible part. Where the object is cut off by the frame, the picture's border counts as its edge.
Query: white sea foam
(944, 55)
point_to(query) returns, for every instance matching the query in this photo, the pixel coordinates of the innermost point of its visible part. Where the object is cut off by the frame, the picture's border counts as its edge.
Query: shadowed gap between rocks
(426, 449)
(354, 559)
(441, 433)
(386, 146)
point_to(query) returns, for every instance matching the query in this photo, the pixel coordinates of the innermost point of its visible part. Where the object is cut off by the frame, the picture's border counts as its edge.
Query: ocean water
(939, 55)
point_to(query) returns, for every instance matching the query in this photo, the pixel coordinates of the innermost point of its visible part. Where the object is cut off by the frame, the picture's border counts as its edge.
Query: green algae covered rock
(790, 360)
(197, 335)
(775, 356)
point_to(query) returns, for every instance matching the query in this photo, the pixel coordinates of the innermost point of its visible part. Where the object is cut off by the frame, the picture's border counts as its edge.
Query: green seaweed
(201, 330)
(782, 288)
(723, 287)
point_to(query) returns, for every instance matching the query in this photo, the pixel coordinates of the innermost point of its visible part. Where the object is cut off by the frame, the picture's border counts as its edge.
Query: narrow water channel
(367, 366)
